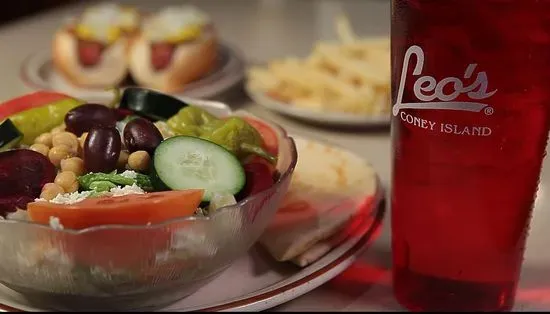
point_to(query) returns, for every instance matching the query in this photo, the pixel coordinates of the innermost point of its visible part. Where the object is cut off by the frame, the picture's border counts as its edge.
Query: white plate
(38, 72)
(316, 117)
(257, 282)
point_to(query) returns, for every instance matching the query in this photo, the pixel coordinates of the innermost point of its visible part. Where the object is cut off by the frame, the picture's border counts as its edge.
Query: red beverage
(471, 94)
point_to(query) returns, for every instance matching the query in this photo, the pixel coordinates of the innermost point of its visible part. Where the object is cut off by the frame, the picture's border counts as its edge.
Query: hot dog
(91, 50)
(177, 45)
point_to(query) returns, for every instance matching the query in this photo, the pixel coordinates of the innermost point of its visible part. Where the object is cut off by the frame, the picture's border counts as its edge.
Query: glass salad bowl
(139, 267)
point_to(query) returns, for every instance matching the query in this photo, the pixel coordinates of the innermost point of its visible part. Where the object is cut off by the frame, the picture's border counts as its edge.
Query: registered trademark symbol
(489, 111)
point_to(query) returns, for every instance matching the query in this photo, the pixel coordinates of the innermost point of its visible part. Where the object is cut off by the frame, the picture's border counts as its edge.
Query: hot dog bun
(189, 62)
(91, 50)
(111, 69)
(176, 46)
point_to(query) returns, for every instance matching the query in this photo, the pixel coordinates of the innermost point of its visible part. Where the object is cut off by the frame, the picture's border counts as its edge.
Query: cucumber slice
(186, 162)
(10, 136)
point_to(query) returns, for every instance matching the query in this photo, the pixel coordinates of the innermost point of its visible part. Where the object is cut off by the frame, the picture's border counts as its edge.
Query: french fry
(350, 75)
(369, 43)
(263, 78)
(343, 28)
(313, 103)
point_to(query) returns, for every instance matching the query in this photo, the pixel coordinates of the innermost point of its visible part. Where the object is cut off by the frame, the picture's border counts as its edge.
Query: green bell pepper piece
(144, 182)
(103, 182)
(101, 186)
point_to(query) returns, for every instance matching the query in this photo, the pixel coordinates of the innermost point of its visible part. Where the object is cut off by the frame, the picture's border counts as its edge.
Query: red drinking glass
(471, 95)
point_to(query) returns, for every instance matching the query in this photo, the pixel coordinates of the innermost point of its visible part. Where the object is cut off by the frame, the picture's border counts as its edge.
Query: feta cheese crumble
(71, 198)
(55, 223)
(126, 190)
(129, 174)
(75, 197)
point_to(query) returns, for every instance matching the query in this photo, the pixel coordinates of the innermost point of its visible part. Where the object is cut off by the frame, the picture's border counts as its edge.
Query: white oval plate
(316, 117)
(37, 72)
(257, 281)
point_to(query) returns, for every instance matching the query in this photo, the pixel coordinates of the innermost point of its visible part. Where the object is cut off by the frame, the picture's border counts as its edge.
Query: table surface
(265, 29)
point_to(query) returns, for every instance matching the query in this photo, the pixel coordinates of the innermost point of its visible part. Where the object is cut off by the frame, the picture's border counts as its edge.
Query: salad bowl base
(254, 282)
(149, 301)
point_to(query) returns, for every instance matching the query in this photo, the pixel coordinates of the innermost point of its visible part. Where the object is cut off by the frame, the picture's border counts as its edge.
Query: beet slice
(23, 173)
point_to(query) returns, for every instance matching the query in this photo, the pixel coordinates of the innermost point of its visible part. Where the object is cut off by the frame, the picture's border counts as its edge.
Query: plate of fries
(346, 82)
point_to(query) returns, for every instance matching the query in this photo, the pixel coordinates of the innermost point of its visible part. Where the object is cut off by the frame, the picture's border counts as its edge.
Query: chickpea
(44, 138)
(65, 138)
(73, 188)
(41, 148)
(139, 160)
(122, 159)
(58, 153)
(65, 179)
(58, 129)
(73, 164)
(50, 191)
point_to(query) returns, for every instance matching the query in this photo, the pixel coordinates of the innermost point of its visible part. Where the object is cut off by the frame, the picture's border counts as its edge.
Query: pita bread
(321, 248)
(328, 188)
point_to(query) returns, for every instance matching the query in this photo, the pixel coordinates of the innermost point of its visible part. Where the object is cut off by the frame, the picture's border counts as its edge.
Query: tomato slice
(269, 135)
(119, 248)
(134, 209)
(32, 100)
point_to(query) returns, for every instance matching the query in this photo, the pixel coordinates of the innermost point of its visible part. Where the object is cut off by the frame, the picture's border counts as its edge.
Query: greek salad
(143, 159)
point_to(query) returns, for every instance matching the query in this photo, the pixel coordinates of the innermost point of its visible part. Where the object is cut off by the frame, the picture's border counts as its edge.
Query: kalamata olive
(141, 134)
(82, 118)
(102, 149)
(23, 173)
